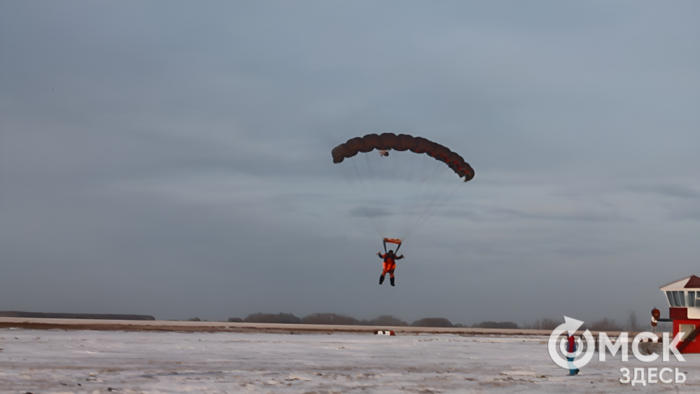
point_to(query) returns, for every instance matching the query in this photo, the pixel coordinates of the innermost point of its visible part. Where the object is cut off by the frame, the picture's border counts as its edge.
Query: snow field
(54, 361)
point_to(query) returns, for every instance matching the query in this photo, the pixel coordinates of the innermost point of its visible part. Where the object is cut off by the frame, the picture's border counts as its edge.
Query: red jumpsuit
(389, 262)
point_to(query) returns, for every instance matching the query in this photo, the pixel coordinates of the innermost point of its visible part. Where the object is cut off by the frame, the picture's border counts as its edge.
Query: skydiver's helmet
(391, 252)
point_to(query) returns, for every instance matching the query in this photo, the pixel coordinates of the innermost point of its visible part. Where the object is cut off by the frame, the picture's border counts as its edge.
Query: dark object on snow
(235, 320)
(98, 316)
(194, 319)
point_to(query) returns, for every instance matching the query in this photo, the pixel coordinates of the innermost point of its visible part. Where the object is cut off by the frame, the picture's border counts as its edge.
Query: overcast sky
(173, 158)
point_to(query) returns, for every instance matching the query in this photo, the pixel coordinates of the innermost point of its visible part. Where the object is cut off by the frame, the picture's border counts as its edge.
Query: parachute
(402, 143)
(401, 184)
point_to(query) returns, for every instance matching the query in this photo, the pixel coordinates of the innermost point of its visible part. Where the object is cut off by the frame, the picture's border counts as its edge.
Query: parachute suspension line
(398, 175)
(367, 212)
(414, 175)
(416, 198)
(433, 203)
(371, 197)
(404, 188)
(371, 171)
(426, 216)
(402, 173)
(395, 163)
(431, 206)
(441, 203)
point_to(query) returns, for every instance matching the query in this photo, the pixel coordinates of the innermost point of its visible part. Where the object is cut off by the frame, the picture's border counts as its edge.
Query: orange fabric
(389, 267)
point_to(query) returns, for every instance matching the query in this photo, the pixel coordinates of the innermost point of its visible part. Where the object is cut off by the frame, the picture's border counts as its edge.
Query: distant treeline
(493, 324)
(599, 325)
(384, 320)
(337, 319)
(389, 320)
(550, 324)
(98, 316)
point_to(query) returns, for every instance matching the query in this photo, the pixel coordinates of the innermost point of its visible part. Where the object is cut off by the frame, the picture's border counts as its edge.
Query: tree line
(605, 324)
(339, 319)
(389, 320)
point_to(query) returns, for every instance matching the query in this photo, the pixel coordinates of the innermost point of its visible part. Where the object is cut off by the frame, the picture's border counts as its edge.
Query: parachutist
(389, 265)
(396, 190)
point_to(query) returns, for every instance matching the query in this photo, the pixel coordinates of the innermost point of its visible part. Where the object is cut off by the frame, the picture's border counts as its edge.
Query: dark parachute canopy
(400, 191)
(401, 143)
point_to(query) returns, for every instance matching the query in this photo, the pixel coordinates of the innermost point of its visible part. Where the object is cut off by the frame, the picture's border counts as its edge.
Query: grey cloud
(369, 212)
(544, 214)
(684, 212)
(151, 147)
(670, 190)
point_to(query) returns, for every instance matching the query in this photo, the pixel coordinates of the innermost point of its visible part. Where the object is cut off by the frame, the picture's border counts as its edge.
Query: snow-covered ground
(52, 361)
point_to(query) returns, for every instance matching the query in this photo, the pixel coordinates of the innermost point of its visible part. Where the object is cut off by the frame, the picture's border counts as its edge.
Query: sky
(173, 158)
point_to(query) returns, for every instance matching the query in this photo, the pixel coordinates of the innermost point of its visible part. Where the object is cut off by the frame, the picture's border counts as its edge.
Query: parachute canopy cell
(403, 142)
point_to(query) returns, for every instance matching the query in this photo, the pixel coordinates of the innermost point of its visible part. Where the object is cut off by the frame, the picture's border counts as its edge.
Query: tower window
(678, 298)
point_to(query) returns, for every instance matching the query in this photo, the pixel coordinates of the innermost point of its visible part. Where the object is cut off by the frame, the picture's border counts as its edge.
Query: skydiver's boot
(381, 279)
(392, 281)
